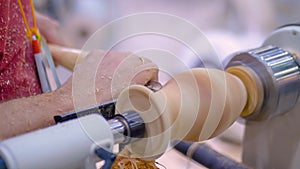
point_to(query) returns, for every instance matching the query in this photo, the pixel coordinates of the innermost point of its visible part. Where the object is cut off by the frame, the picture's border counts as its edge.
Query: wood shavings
(142, 60)
(124, 161)
(133, 163)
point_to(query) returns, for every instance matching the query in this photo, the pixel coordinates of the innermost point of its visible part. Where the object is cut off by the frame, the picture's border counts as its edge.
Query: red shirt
(18, 75)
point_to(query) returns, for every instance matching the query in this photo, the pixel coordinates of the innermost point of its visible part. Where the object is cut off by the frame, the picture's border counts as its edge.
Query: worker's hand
(102, 76)
(49, 28)
(95, 80)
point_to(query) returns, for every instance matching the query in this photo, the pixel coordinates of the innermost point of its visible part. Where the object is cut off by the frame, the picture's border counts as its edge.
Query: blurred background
(230, 26)
(232, 20)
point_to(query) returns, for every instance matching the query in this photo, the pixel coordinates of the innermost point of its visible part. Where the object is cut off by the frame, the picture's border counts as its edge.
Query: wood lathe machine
(261, 85)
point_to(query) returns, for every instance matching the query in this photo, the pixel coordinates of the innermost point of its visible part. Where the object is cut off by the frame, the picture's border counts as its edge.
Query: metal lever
(107, 156)
(208, 157)
(2, 164)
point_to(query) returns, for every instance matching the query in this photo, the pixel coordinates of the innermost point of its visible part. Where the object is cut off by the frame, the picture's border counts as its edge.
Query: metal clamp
(279, 73)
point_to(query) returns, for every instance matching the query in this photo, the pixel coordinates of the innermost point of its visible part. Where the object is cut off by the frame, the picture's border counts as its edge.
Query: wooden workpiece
(195, 105)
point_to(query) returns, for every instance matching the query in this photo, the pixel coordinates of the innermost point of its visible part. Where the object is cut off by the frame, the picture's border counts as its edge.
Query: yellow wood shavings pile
(124, 160)
(133, 163)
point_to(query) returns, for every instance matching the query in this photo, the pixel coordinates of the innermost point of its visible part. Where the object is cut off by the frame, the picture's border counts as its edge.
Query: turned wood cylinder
(195, 105)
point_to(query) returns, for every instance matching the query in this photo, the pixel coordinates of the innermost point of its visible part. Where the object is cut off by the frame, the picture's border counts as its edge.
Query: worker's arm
(110, 74)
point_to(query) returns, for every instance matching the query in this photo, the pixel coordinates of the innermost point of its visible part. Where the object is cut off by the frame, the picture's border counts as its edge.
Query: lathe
(261, 85)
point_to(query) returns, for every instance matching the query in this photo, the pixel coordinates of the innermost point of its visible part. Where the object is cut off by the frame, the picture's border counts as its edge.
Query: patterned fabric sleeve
(18, 75)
